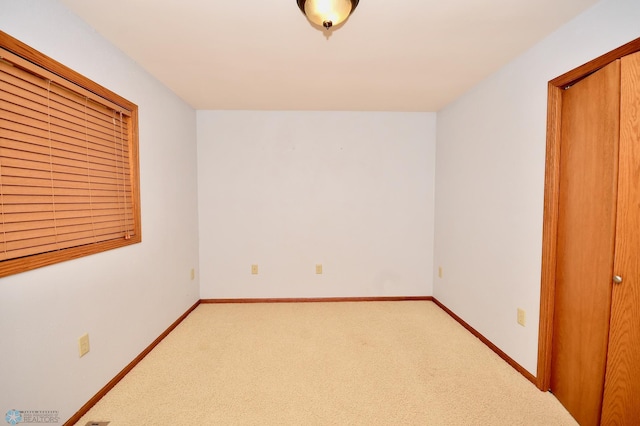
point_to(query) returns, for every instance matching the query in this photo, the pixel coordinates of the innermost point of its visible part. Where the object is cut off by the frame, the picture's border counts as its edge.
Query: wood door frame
(551, 194)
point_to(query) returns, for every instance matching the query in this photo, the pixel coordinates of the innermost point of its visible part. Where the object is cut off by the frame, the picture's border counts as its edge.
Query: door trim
(551, 193)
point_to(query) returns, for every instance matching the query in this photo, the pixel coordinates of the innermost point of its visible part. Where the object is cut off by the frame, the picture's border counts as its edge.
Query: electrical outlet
(254, 269)
(439, 271)
(319, 268)
(522, 317)
(83, 344)
(193, 274)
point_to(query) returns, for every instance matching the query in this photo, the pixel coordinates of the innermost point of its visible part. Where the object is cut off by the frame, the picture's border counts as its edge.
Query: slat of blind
(85, 107)
(10, 131)
(47, 118)
(31, 234)
(14, 253)
(67, 218)
(62, 217)
(36, 136)
(63, 211)
(98, 208)
(23, 226)
(74, 236)
(12, 208)
(40, 128)
(43, 187)
(37, 121)
(20, 190)
(98, 202)
(110, 233)
(61, 176)
(47, 239)
(44, 178)
(20, 150)
(21, 223)
(70, 184)
(28, 216)
(26, 87)
(100, 199)
(101, 216)
(35, 166)
(18, 77)
(46, 244)
(36, 160)
(16, 249)
(24, 238)
(42, 115)
(19, 91)
(58, 100)
(37, 131)
(47, 75)
(42, 146)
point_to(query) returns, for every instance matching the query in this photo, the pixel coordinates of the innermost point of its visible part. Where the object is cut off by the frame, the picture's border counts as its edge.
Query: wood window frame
(52, 70)
(551, 207)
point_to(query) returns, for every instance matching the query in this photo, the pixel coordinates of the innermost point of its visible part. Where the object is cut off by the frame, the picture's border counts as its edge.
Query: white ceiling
(390, 55)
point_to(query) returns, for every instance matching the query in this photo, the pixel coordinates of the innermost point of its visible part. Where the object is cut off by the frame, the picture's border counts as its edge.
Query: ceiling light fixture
(327, 13)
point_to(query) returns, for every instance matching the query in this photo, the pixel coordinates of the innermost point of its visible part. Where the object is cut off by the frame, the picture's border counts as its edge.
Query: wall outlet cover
(83, 344)
(522, 317)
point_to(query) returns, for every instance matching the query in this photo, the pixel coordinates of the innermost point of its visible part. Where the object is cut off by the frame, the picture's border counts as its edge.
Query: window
(69, 181)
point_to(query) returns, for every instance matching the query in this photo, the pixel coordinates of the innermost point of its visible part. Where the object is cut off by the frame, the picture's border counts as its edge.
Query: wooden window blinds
(68, 163)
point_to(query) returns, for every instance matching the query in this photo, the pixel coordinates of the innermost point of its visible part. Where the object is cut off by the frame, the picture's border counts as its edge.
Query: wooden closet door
(586, 232)
(621, 405)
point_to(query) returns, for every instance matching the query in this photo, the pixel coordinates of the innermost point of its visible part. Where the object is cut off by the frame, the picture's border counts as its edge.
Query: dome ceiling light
(327, 13)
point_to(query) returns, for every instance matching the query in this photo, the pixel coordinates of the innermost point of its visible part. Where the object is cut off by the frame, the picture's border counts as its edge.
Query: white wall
(286, 190)
(490, 180)
(124, 298)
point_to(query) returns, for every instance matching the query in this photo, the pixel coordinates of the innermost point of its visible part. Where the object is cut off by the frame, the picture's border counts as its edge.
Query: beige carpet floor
(360, 363)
